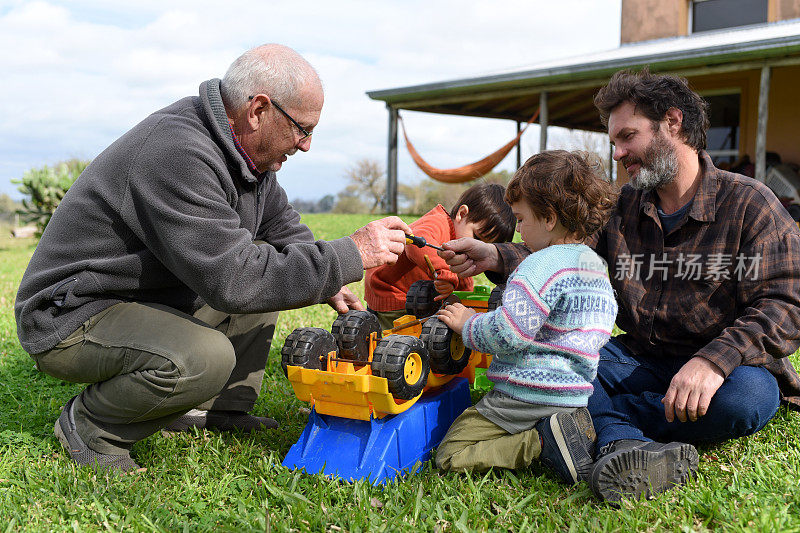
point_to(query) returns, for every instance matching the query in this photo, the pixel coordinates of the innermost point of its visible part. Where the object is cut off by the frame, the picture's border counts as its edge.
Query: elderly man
(706, 268)
(159, 277)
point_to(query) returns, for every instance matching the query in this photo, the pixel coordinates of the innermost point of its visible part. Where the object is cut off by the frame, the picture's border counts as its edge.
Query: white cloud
(78, 74)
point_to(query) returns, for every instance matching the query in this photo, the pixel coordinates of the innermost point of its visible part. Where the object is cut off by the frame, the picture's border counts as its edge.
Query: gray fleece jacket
(168, 214)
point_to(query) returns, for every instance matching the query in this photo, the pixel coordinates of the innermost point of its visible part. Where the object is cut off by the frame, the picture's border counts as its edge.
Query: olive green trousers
(476, 443)
(147, 364)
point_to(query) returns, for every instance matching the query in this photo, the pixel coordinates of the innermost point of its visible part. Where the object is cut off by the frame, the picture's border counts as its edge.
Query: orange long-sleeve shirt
(386, 286)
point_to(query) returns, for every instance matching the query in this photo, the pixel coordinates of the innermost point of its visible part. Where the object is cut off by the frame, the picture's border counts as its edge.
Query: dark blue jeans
(626, 403)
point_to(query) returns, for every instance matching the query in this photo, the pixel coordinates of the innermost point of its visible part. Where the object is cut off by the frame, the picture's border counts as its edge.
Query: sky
(77, 74)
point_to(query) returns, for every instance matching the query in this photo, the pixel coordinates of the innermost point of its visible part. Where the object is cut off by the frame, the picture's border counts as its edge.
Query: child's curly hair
(569, 184)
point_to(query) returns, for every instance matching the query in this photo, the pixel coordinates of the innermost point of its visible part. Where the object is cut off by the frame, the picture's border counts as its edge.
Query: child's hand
(455, 315)
(444, 288)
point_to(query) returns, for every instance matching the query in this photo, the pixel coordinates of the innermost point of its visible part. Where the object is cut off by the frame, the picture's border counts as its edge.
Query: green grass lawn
(235, 482)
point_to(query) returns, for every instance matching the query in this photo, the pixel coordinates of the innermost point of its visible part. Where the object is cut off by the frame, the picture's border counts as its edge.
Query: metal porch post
(391, 163)
(543, 120)
(761, 131)
(611, 163)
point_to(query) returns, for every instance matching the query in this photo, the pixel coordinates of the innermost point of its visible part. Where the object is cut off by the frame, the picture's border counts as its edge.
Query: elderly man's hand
(381, 241)
(691, 390)
(344, 301)
(469, 257)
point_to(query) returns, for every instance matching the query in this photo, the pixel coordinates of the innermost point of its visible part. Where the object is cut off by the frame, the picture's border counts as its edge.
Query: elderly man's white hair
(271, 69)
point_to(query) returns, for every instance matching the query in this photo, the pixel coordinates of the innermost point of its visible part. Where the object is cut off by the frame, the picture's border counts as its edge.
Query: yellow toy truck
(357, 370)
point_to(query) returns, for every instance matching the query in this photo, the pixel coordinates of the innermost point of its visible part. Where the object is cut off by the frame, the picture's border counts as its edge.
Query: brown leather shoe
(222, 421)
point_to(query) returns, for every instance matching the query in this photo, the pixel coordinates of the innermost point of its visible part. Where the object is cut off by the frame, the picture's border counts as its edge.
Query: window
(723, 135)
(707, 15)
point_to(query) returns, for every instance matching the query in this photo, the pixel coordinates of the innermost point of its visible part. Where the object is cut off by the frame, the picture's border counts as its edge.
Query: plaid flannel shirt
(724, 284)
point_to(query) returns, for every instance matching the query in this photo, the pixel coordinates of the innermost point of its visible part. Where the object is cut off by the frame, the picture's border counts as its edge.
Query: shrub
(44, 188)
(8, 208)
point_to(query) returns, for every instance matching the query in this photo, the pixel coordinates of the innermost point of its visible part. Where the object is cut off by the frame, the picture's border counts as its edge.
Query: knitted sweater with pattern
(558, 310)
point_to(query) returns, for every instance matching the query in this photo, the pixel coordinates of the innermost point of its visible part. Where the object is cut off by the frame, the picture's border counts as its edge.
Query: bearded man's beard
(658, 166)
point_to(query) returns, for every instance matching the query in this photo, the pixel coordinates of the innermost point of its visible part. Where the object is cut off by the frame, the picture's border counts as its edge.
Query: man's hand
(344, 301)
(444, 288)
(455, 315)
(691, 390)
(381, 241)
(469, 257)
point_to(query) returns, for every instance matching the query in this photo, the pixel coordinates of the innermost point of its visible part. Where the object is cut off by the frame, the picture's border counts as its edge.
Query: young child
(558, 310)
(480, 213)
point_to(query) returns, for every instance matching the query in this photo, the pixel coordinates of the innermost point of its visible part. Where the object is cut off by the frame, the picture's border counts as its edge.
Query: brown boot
(632, 468)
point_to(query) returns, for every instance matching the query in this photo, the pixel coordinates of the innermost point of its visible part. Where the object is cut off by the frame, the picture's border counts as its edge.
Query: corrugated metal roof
(751, 43)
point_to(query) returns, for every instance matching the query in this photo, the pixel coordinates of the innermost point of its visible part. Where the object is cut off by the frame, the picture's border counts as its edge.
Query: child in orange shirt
(480, 213)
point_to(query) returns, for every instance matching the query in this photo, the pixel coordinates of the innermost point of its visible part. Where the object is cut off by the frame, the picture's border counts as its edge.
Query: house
(742, 56)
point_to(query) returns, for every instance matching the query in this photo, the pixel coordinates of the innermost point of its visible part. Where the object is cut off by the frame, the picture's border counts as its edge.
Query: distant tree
(323, 205)
(8, 207)
(588, 141)
(366, 180)
(421, 198)
(347, 203)
(501, 176)
(412, 198)
(44, 188)
(304, 206)
(326, 203)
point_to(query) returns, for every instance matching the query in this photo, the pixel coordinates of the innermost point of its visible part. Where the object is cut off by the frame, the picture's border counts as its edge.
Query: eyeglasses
(303, 133)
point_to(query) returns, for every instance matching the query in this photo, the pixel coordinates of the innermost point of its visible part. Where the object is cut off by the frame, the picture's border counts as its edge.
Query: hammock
(467, 172)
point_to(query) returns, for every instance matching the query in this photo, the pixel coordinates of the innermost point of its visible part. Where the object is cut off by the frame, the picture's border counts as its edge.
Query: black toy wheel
(419, 299)
(496, 297)
(351, 331)
(308, 348)
(403, 361)
(446, 349)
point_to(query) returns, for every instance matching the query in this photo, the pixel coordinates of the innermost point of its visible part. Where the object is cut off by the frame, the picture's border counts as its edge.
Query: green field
(235, 482)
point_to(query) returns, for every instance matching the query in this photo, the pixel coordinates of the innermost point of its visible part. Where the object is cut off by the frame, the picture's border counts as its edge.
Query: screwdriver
(430, 267)
(421, 242)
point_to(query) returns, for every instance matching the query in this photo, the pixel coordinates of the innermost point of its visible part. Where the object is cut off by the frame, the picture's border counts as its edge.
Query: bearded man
(706, 268)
